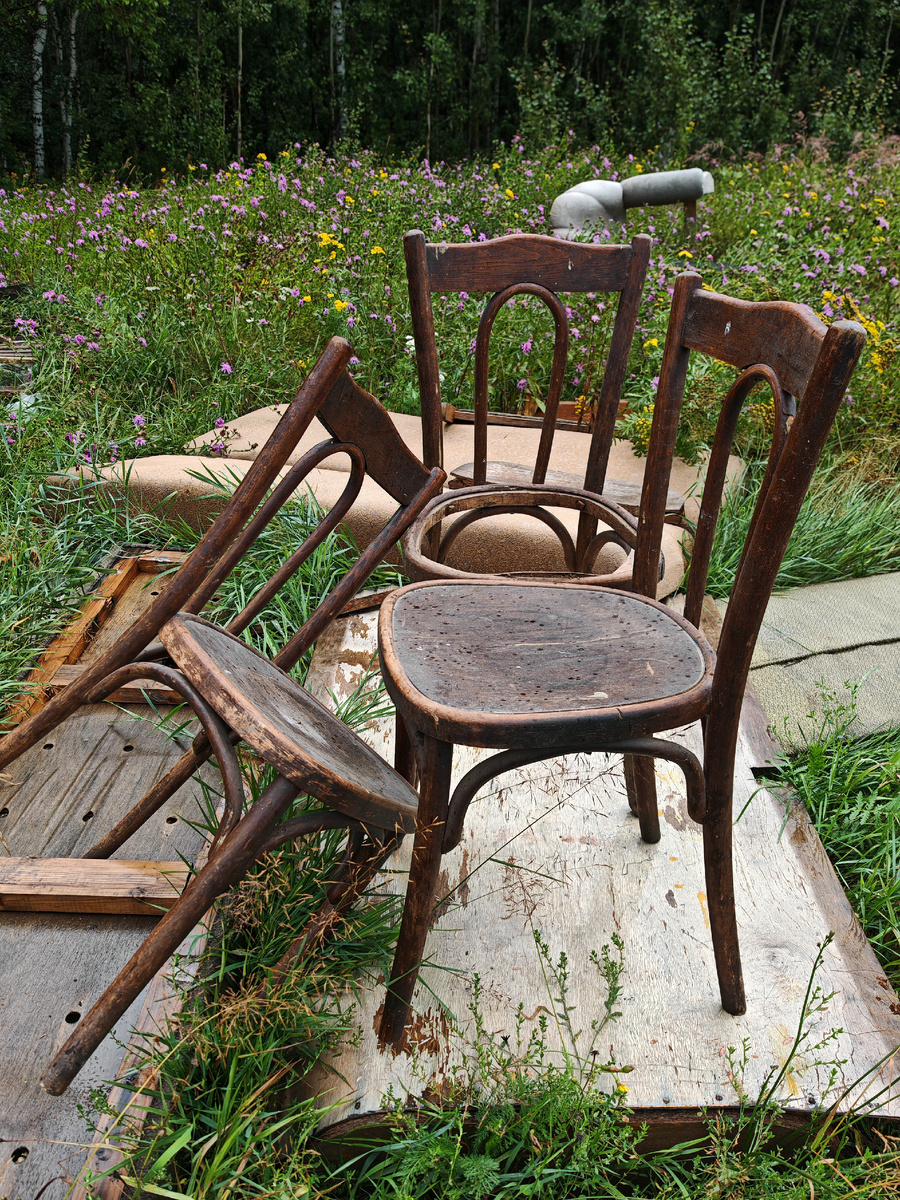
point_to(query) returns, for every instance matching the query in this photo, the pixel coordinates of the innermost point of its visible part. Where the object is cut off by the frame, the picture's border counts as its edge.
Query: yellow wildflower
(339, 305)
(685, 254)
(376, 250)
(510, 195)
(651, 342)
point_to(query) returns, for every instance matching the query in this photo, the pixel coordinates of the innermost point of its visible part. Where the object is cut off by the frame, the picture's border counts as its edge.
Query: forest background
(135, 86)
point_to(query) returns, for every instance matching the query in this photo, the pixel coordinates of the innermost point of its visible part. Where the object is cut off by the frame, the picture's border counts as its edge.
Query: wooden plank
(129, 693)
(553, 849)
(120, 886)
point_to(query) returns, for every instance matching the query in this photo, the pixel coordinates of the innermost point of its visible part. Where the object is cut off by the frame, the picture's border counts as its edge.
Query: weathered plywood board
(55, 801)
(553, 849)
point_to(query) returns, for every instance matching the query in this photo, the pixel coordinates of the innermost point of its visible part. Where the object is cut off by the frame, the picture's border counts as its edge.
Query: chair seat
(626, 492)
(504, 663)
(287, 726)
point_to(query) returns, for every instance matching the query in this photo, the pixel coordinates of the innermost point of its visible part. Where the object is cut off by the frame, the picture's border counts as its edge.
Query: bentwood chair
(311, 750)
(541, 267)
(537, 670)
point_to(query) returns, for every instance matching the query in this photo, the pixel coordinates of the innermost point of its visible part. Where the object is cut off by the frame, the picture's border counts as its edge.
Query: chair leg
(232, 859)
(435, 763)
(640, 783)
(717, 857)
(404, 754)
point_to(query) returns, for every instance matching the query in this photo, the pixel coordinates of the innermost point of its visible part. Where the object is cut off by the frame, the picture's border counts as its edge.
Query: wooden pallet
(68, 925)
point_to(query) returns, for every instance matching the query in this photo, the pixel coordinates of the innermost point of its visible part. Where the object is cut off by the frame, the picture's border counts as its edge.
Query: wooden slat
(558, 265)
(786, 336)
(82, 885)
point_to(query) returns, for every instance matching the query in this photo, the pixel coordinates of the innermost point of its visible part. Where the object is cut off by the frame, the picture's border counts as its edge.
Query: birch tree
(37, 86)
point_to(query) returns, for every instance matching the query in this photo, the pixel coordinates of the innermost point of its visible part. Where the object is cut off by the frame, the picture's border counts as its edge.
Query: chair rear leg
(435, 762)
(404, 755)
(640, 783)
(231, 861)
(717, 857)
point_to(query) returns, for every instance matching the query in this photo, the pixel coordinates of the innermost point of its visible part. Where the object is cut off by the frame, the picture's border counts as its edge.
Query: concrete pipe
(601, 203)
(666, 187)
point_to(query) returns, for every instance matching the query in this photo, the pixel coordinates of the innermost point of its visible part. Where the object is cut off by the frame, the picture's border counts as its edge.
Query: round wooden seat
(287, 727)
(593, 659)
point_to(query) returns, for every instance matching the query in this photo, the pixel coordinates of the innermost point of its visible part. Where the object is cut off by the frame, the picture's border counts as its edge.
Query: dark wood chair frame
(779, 344)
(540, 266)
(360, 428)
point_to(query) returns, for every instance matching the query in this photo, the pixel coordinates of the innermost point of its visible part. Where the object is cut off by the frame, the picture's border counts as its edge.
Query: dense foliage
(161, 83)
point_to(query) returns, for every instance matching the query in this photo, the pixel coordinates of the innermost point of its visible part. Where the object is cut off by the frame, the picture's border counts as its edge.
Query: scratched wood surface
(54, 802)
(553, 849)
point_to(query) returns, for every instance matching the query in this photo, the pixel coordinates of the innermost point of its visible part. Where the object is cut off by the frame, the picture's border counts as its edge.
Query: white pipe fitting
(600, 203)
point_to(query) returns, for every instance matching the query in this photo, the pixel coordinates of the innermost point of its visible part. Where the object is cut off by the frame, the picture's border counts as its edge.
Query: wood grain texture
(72, 885)
(554, 848)
(785, 336)
(557, 265)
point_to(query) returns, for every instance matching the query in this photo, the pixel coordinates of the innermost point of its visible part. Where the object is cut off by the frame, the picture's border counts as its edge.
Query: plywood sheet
(55, 801)
(553, 850)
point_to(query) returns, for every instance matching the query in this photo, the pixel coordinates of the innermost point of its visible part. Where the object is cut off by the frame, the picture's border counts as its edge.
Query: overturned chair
(237, 694)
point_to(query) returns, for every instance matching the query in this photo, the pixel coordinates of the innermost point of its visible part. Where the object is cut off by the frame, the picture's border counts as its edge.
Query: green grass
(847, 528)
(171, 318)
(851, 788)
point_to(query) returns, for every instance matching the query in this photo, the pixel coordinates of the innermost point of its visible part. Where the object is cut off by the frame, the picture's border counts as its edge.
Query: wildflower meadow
(154, 314)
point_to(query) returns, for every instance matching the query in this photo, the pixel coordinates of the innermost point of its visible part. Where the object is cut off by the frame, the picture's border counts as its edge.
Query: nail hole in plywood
(48, 745)
(4, 812)
(73, 1017)
(171, 820)
(127, 748)
(154, 593)
(87, 816)
(19, 1154)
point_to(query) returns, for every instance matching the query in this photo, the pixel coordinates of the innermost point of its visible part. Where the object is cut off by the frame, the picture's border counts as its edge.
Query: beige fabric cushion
(505, 444)
(169, 484)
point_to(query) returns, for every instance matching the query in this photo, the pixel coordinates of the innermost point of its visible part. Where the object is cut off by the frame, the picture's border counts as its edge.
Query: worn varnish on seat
(576, 649)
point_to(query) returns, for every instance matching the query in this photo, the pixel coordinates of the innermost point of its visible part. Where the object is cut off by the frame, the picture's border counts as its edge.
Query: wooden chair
(536, 670)
(533, 265)
(312, 751)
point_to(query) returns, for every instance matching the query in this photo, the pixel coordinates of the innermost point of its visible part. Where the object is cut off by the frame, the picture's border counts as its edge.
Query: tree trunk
(339, 66)
(70, 90)
(37, 87)
(240, 73)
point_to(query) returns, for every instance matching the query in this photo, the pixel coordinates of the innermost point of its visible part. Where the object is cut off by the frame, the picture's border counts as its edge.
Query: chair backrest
(808, 367)
(524, 264)
(358, 427)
